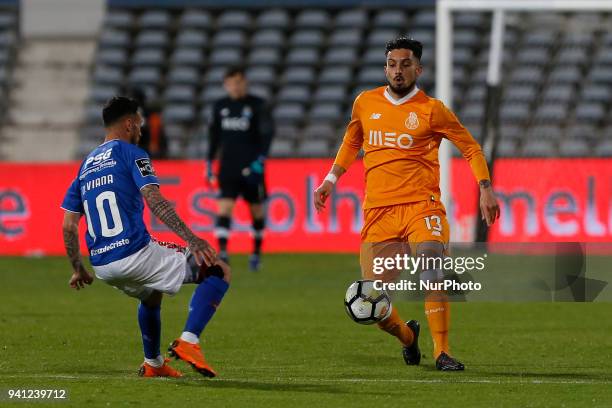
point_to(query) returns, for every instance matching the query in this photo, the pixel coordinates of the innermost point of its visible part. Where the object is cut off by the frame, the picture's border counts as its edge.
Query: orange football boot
(147, 370)
(191, 354)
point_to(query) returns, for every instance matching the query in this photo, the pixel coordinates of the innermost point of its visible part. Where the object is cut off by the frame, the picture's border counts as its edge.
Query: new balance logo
(390, 139)
(376, 116)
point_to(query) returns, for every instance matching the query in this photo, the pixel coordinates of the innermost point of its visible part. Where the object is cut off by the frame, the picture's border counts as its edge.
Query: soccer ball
(366, 305)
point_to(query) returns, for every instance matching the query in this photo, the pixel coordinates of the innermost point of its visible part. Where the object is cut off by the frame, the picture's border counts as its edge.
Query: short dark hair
(118, 107)
(234, 70)
(405, 43)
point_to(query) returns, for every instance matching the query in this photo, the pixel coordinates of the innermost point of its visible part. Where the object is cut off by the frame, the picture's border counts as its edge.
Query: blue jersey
(107, 191)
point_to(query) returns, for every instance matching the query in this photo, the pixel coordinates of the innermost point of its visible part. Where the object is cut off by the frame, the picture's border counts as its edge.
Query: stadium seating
(311, 63)
(9, 41)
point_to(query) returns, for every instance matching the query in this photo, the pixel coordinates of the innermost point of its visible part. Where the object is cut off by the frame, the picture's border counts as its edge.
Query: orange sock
(437, 310)
(395, 326)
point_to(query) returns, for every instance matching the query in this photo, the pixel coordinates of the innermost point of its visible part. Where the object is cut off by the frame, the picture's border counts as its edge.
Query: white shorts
(154, 268)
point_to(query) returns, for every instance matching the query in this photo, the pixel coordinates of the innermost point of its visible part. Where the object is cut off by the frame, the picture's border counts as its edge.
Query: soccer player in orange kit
(400, 128)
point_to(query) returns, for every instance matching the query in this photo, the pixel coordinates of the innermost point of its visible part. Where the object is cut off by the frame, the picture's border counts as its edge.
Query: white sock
(155, 362)
(189, 337)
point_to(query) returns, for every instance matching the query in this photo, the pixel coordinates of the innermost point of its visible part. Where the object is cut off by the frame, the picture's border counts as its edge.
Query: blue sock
(149, 320)
(204, 302)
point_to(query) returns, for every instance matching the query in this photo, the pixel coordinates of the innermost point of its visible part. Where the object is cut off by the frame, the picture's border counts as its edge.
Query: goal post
(444, 57)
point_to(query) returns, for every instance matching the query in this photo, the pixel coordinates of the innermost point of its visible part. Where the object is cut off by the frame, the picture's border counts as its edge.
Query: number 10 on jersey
(111, 199)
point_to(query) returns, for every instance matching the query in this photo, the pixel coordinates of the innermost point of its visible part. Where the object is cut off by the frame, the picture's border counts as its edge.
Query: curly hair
(405, 43)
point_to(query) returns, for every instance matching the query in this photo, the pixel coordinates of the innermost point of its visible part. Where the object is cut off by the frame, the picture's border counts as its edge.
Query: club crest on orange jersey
(412, 121)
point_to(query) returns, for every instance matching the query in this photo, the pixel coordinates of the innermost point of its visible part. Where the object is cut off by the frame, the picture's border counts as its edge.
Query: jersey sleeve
(444, 122)
(353, 139)
(72, 200)
(141, 167)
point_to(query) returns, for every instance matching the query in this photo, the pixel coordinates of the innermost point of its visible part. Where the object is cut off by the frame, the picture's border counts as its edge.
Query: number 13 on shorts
(434, 225)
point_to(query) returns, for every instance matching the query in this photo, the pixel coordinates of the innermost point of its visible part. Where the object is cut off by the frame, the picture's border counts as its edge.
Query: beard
(135, 137)
(401, 90)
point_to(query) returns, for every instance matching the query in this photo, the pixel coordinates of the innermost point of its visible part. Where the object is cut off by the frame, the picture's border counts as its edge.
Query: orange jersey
(400, 139)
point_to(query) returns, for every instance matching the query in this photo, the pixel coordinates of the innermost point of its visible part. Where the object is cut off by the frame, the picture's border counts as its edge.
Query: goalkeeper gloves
(254, 173)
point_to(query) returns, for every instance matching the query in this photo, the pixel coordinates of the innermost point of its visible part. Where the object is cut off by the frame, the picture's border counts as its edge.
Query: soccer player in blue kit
(109, 190)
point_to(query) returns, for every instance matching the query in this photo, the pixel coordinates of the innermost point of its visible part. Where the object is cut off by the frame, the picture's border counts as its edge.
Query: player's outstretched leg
(149, 320)
(258, 232)
(407, 334)
(204, 302)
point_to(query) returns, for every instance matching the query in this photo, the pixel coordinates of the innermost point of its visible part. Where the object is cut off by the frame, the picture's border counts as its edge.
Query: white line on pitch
(279, 380)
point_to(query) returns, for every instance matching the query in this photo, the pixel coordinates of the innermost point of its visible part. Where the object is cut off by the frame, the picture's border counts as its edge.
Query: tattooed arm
(80, 276)
(163, 210)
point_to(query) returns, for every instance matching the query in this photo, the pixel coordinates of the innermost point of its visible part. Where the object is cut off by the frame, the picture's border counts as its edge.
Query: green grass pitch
(281, 339)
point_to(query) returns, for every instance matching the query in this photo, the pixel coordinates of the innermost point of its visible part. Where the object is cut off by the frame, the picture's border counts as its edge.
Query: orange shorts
(397, 229)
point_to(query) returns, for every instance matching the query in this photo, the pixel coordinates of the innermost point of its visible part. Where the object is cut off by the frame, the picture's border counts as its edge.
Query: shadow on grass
(266, 386)
(569, 376)
(363, 359)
